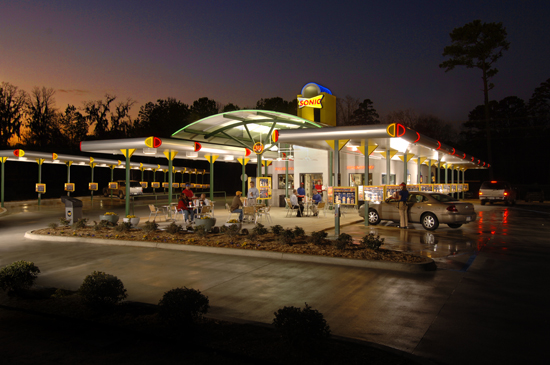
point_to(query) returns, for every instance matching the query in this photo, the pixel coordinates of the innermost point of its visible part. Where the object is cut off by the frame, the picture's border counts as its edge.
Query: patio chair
(249, 213)
(321, 206)
(154, 210)
(205, 212)
(290, 210)
(229, 217)
(264, 211)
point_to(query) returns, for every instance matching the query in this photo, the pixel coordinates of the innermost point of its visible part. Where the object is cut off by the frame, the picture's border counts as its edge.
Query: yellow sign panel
(314, 102)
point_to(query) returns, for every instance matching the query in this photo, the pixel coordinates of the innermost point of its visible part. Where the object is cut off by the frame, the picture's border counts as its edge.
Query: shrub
(63, 221)
(223, 229)
(100, 290)
(81, 223)
(318, 238)
(150, 226)
(182, 306)
(200, 231)
(344, 240)
(299, 326)
(18, 275)
(173, 228)
(286, 237)
(232, 230)
(277, 229)
(215, 229)
(260, 229)
(371, 241)
(123, 227)
(53, 225)
(299, 232)
(245, 232)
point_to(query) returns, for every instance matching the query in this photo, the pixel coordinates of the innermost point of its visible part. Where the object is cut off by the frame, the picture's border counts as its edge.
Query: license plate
(468, 219)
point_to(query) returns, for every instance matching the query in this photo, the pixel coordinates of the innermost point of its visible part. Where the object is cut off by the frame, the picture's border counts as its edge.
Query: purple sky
(241, 51)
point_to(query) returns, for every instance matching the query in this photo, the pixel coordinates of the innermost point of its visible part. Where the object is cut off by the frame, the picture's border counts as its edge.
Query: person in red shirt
(183, 206)
(188, 191)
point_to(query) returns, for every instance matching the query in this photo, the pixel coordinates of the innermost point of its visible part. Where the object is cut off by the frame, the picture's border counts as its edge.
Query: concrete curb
(429, 265)
(3, 212)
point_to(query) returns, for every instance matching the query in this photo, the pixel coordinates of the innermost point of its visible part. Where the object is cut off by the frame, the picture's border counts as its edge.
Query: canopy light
(229, 158)
(192, 154)
(149, 151)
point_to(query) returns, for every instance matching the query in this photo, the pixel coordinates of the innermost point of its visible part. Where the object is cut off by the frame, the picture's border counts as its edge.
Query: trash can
(282, 202)
(73, 208)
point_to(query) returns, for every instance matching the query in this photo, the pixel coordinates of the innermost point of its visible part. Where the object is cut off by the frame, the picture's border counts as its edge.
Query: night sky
(241, 51)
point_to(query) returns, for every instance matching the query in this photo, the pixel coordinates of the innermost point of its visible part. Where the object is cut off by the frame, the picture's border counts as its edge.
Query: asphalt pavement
(486, 302)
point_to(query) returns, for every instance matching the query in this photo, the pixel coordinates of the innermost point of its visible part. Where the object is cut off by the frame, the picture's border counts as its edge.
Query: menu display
(264, 186)
(371, 194)
(345, 195)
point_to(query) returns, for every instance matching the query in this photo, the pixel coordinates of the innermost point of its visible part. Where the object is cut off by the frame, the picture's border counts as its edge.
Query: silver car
(430, 209)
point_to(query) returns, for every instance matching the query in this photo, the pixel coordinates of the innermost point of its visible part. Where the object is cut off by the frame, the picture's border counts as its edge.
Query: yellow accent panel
(149, 142)
(341, 143)
(408, 156)
(170, 155)
(91, 159)
(211, 158)
(68, 163)
(93, 164)
(392, 153)
(243, 160)
(371, 149)
(422, 159)
(40, 161)
(141, 166)
(3, 159)
(21, 153)
(130, 152)
(268, 162)
(54, 156)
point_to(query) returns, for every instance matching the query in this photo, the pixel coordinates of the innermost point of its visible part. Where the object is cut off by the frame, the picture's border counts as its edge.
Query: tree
(97, 114)
(539, 105)
(478, 45)
(365, 114)
(408, 118)
(161, 118)
(42, 118)
(74, 126)
(230, 107)
(433, 127)
(278, 104)
(345, 107)
(202, 108)
(12, 109)
(121, 123)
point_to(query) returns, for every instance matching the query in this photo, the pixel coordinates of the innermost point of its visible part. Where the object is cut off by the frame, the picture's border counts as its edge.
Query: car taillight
(505, 193)
(452, 208)
(480, 193)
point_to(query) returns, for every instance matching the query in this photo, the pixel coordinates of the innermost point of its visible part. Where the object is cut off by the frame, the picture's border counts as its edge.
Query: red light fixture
(438, 145)
(417, 137)
(452, 208)
(247, 152)
(197, 147)
(156, 142)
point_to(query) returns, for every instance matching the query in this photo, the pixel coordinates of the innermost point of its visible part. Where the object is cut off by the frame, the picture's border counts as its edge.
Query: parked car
(534, 194)
(497, 191)
(135, 189)
(429, 209)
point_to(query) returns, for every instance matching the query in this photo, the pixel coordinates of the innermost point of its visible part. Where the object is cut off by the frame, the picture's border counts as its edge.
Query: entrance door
(312, 181)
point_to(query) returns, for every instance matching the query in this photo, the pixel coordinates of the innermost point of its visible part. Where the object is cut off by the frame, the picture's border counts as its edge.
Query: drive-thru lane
(486, 302)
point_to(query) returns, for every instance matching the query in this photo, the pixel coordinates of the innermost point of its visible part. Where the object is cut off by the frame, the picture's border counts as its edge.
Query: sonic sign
(314, 102)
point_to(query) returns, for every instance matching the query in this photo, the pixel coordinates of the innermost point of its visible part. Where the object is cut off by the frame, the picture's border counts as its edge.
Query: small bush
(298, 326)
(18, 275)
(61, 293)
(150, 227)
(200, 231)
(79, 224)
(173, 228)
(286, 237)
(101, 290)
(260, 229)
(277, 229)
(182, 306)
(299, 232)
(344, 240)
(63, 221)
(123, 227)
(245, 232)
(53, 225)
(215, 229)
(232, 230)
(371, 241)
(318, 238)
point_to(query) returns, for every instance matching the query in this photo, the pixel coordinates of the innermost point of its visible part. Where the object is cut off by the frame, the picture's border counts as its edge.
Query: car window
(135, 184)
(494, 185)
(443, 198)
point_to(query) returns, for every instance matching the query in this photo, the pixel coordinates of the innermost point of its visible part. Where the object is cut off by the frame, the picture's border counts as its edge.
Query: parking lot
(486, 303)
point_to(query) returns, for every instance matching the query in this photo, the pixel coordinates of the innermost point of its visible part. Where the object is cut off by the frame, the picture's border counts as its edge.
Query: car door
(417, 206)
(390, 212)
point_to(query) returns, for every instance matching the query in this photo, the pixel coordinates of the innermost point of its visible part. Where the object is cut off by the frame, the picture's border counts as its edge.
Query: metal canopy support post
(405, 159)
(438, 169)
(429, 177)
(211, 159)
(453, 178)
(3, 160)
(127, 197)
(418, 172)
(366, 179)
(112, 167)
(446, 177)
(463, 181)
(258, 167)
(330, 169)
(68, 163)
(388, 167)
(40, 161)
(92, 165)
(336, 163)
(286, 179)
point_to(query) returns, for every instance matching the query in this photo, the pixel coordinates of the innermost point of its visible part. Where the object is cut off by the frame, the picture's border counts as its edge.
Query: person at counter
(296, 205)
(301, 191)
(237, 205)
(317, 198)
(203, 200)
(253, 194)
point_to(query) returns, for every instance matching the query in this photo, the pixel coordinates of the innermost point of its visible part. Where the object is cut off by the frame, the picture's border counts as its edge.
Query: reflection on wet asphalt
(455, 249)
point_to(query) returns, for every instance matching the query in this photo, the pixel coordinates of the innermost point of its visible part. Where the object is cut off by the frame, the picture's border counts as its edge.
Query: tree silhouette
(278, 104)
(42, 122)
(161, 118)
(12, 108)
(365, 114)
(202, 108)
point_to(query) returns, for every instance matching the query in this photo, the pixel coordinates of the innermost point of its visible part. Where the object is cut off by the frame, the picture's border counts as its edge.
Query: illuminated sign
(371, 167)
(395, 130)
(143, 184)
(40, 188)
(69, 186)
(155, 185)
(92, 186)
(197, 147)
(275, 136)
(153, 142)
(165, 185)
(258, 148)
(284, 168)
(314, 102)
(113, 185)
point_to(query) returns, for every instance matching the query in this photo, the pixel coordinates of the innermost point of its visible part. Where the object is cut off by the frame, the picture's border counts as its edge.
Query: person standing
(253, 194)
(402, 197)
(187, 191)
(316, 200)
(237, 205)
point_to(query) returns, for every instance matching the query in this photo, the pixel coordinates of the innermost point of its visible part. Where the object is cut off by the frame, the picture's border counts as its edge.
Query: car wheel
(121, 195)
(483, 202)
(374, 218)
(430, 222)
(454, 225)
(105, 192)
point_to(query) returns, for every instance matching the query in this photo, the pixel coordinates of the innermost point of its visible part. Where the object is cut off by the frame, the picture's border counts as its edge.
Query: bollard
(337, 220)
